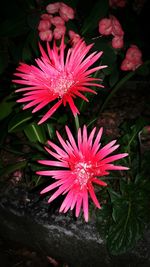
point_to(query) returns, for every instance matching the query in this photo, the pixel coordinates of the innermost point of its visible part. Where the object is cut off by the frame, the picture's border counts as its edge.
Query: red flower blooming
(57, 79)
(84, 162)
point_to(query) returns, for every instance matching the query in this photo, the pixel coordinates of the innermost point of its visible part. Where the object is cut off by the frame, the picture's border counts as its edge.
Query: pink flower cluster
(133, 59)
(111, 26)
(52, 23)
(117, 3)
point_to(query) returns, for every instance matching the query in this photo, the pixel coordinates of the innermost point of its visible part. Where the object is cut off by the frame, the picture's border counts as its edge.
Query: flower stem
(77, 124)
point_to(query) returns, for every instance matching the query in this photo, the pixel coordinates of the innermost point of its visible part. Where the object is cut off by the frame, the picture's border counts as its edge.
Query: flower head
(133, 59)
(58, 79)
(83, 162)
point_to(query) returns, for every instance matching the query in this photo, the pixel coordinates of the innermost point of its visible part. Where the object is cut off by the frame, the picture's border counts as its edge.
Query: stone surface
(26, 219)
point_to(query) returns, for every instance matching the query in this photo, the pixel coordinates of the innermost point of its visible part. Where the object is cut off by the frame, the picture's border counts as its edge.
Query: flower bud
(46, 35)
(66, 12)
(105, 26)
(53, 8)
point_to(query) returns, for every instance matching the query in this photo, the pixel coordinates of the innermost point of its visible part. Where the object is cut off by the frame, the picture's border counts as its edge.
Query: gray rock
(27, 219)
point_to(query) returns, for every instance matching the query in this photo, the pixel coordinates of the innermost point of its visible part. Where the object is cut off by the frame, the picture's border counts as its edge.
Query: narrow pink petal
(50, 112)
(50, 187)
(62, 48)
(105, 148)
(114, 158)
(104, 152)
(78, 205)
(99, 182)
(97, 140)
(63, 143)
(43, 52)
(91, 136)
(74, 201)
(81, 96)
(113, 167)
(85, 89)
(93, 196)
(95, 69)
(56, 194)
(53, 163)
(67, 200)
(73, 108)
(79, 139)
(60, 151)
(41, 105)
(85, 205)
(55, 155)
(34, 88)
(71, 139)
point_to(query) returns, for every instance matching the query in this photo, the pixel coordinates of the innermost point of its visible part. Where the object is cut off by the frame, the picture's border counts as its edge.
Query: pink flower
(127, 65)
(44, 25)
(116, 26)
(66, 12)
(134, 54)
(53, 8)
(117, 42)
(57, 21)
(46, 35)
(84, 163)
(105, 26)
(59, 31)
(58, 79)
(133, 59)
(46, 17)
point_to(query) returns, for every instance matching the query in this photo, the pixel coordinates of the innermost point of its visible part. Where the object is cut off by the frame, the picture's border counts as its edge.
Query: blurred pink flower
(58, 79)
(46, 35)
(133, 59)
(116, 26)
(83, 162)
(127, 65)
(59, 31)
(44, 25)
(117, 42)
(66, 12)
(53, 8)
(46, 16)
(134, 54)
(57, 21)
(105, 26)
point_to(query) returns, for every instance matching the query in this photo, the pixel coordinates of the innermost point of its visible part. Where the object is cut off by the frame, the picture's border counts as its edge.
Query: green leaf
(35, 133)
(99, 10)
(51, 130)
(6, 106)
(19, 121)
(128, 219)
(114, 77)
(124, 234)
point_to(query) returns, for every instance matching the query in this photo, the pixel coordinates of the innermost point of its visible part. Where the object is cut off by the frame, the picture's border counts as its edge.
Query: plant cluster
(61, 64)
